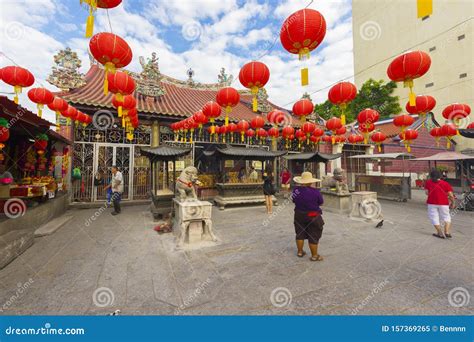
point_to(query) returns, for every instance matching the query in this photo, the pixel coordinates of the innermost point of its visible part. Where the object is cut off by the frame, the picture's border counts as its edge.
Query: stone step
(52, 226)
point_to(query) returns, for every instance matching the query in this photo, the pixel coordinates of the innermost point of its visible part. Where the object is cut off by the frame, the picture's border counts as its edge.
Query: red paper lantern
(436, 133)
(70, 113)
(368, 116)
(242, 126)
(287, 133)
(456, 112)
(340, 139)
(333, 124)
(58, 105)
(254, 75)
(308, 128)
(121, 84)
(403, 121)
(111, 51)
(423, 105)
(449, 131)
(301, 33)
(378, 138)
(123, 104)
(408, 136)
(300, 135)
(318, 132)
(40, 96)
(302, 108)
(93, 5)
(355, 138)
(227, 97)
(212, 110)
(257, 122)
(341, 94)
(341, 131)
(17, 77)
(200, 118)
(407, 67)
(250, 133)
(274, 133)
(327, 138)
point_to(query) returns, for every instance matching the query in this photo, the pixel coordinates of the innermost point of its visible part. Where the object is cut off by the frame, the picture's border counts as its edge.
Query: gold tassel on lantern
(17, 90)
(304, 54)
(109, 67)
(448, 142)
(254, 91)
(411, 96)
(228, 109)
(424, 8)
(343, 113)
(90, 18)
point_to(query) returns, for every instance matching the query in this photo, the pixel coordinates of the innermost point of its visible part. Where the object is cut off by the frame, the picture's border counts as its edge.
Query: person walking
(285, 179)
(440, 199)
(308, 218)
(268, 188)
(116, 184)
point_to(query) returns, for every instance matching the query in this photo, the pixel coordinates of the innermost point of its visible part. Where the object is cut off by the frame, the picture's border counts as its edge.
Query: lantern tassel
(109, 67)
(242, 137)
(448, 142)
(343, 113)
(17, 90)
(119, 111)
(411, 96)
(90, 24)
(304, 77)
(40, 110)
(380, 147)
(254, 91)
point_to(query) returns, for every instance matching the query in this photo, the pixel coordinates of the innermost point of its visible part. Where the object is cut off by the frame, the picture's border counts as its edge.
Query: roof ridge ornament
(65, 74)
(149, 79)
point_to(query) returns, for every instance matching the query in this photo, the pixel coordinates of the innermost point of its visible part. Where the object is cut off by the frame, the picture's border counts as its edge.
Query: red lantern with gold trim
(308, 128)
(70, 113)
(257, 122)
(449, 131)
(227, 98)
(212, 110)
(378, 138)
(17, 77)
(287, 132)
(112, 52)
(407, 67)
(423, 105)
(408, 136)
(403, 121)
(436, 133)
(355, 138)
(40, 96)
(274, 133)
(242, 126)
(303, 108)
(300, 136)
(254, 75)
(341, 94)
(365, 129)
(333, 124)
(301, 33)
(58, 105)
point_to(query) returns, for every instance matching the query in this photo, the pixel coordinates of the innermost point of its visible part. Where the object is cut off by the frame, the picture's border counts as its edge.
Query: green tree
(373, 94)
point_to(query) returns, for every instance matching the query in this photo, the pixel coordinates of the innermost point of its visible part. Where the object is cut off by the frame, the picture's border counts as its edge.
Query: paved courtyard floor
(120, 263)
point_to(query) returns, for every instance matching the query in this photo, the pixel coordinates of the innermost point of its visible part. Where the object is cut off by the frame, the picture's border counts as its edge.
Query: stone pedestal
(192, 221)
(365, 206)
(336, 203)
(240, 194)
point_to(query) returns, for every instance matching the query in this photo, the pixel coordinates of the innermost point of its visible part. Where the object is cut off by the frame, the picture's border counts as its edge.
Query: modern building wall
(383, 29)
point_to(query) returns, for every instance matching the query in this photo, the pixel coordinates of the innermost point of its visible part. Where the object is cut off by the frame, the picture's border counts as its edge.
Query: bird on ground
(379, 225)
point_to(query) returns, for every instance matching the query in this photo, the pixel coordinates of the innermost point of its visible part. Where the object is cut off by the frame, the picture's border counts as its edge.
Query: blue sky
(204, 35)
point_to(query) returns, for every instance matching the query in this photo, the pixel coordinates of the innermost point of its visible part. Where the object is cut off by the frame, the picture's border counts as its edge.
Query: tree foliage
(373, 94)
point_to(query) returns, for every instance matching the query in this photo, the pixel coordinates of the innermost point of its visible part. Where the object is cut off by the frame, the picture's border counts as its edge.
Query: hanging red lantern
(407, 67)
(93, 5)
(41, 143)
(254, 75)
(200, 118)
(436, 133)
(318, 132)
(242, 126)
(121, 84)
(58, 105)
(70, 113)
(368, 115)
(403, 121)
(17, 77)
(314, 139)
(112, 52)
(456, 112)
(257, 122)
(341, 94)
(232, 128)
(300, 135)
(287, 132)
(40, 96)
(212, 110)
(341, 131)
(423, 105)
(378, 138)
(273, 132)
(365, 129)
(262, 134)
(340, 139)
(250, 133)
(308, 128)
(333, 124)
(408, 136)
(303, 108)
(355, 138)
(449, 131)
(327, 138)
(301, 33)
(227, 98)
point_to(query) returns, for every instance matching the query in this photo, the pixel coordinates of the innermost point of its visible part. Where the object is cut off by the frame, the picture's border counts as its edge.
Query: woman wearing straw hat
(308, 215)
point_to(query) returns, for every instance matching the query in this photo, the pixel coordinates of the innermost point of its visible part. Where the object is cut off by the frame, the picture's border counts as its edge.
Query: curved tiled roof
(178, 101)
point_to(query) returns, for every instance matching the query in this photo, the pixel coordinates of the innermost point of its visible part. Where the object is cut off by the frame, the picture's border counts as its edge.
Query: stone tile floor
(119, 262)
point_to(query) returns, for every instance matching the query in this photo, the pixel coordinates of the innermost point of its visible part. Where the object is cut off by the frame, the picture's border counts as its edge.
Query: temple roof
(309, 157)
(231, 152)
(178, 100)
(164, 152)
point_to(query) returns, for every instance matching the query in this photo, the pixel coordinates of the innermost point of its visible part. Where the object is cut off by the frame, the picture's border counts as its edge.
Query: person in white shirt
(116, 184)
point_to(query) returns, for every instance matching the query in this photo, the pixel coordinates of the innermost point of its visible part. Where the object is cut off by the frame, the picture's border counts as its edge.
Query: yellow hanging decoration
(424, 8)
(411, 96)
(17, 90)
(254, 91)
(304, 77)
(343, 113)
(109, 67)
(90, 19)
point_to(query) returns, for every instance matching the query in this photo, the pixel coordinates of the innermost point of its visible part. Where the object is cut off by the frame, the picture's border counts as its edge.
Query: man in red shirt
(440, 199)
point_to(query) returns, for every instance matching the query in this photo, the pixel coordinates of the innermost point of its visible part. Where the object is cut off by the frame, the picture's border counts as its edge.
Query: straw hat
(306, 178)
